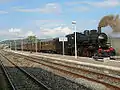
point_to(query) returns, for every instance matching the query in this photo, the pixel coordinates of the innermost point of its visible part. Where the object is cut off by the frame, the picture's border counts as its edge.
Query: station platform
(105, 63)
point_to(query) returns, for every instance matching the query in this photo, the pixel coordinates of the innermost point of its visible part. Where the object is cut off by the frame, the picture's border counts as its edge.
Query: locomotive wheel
(72, 52)
(80, 51)
(85, 52)
(69, 52)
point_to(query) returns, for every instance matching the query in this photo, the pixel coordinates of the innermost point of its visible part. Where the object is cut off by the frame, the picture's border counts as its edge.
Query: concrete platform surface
(106, 63)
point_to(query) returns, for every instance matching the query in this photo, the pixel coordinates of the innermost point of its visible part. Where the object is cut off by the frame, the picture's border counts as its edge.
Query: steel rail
(86, 65)
(84, 70)
(29, 75)
(7, 75)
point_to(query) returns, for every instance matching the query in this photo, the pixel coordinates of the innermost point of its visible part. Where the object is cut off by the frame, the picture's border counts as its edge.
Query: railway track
(101, 69)
(18, 78)
(109, 81)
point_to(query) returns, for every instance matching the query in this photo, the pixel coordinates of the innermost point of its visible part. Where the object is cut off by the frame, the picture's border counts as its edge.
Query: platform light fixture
(74, 23)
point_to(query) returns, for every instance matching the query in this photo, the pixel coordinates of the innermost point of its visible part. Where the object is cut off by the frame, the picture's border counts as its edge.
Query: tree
(32, 40)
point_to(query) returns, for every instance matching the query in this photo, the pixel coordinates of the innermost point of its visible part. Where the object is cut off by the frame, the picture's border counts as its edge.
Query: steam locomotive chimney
(99, 30)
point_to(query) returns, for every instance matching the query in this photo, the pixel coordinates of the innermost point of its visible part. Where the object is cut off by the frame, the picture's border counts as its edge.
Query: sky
(52, 18)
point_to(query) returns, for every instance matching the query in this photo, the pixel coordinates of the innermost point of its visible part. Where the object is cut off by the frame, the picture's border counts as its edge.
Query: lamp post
(63, 47)
(15, 45)
(16, 31)
(36, 43)
(10, 45)
(22, 40)
(63, 42)
(22, 45)
(74, 23)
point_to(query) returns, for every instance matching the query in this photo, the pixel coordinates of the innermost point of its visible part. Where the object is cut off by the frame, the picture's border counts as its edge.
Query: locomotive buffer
(63, 39)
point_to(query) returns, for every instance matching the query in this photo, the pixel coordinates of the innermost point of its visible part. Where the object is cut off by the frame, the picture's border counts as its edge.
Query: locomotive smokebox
(99, 30)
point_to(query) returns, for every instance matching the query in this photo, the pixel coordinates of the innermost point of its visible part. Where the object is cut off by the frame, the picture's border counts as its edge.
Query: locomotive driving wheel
(80, 51)
(73, 52)
(85, 52)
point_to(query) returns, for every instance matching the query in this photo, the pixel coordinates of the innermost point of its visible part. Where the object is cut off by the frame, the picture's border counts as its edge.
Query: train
(88, 44)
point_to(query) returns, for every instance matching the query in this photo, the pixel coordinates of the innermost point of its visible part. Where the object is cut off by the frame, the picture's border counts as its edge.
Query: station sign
(63, 39)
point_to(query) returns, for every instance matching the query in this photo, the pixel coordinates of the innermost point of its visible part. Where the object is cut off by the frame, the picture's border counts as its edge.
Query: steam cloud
(112, 21)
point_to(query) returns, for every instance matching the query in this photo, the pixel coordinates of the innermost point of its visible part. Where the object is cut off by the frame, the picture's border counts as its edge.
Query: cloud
(48, 20)
(80, 9)
(54, 32)
(101, 4)
(51, 7)
(48, 8)
(105, 3)
(47, 23)
(5, 34)
(72, 3)
(15, 33)
(53, 25)
(29, 33)
(28, 10)
(14, 30)
(4, 1)
(3, 12)
(43, 33)
(87, 24)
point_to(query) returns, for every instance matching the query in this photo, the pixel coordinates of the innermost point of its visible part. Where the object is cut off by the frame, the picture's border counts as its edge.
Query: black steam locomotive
(89, 43)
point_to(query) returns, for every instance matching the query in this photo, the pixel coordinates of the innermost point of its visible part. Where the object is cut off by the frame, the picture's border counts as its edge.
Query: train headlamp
(100, 37)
